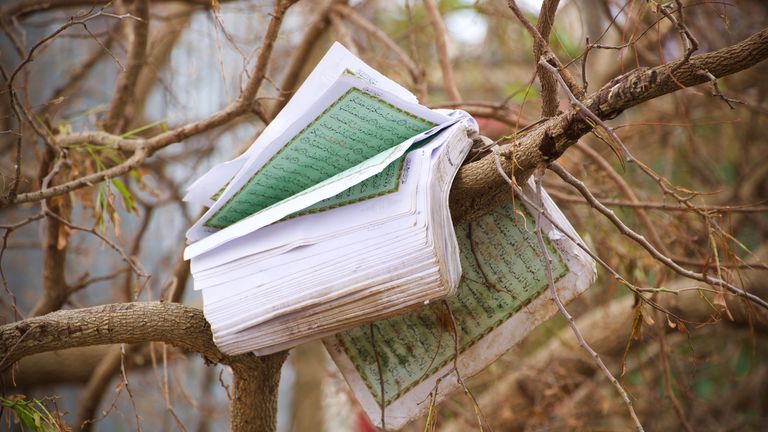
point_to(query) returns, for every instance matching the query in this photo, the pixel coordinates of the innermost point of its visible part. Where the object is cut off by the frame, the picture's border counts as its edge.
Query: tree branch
(172, 323)
(549, 102)
(300, 55)
(143, 148)
(442, 50)
(478, 188)
(116, 121)
(417, 74)
(178, 325)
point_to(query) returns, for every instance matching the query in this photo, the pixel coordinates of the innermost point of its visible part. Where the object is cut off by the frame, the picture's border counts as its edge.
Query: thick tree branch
(478, 188)
(549, 100)
(185, 327)
(172, 323)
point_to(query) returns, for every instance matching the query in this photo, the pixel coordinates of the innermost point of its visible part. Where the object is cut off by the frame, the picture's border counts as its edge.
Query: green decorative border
(354, 200)
(208, 222)
(375, 387)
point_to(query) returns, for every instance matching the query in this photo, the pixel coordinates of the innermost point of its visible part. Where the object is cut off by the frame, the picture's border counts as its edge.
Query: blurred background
(707, 372)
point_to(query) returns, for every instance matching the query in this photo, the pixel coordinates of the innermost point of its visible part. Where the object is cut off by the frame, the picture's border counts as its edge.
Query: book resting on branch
(335, 224)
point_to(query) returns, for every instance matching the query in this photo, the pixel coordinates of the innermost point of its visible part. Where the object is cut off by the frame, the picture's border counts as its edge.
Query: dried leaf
(719, 300)
(63, 237)
(648, 320)
(671, 323)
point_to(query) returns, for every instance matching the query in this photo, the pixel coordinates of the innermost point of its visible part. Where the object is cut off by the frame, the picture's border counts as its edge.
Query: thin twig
(642, 241)
(342, 32)
(449, 82)
(553, 293)
(416, 73)
(625, 190)
(740, 208)
(547, 54)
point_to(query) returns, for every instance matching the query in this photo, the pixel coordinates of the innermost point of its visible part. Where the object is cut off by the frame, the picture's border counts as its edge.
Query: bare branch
(666, 207)
(478, 189)
(142, 149)
(642, 241)
(438, 26)
(563, 311)
(126, 82)
(548, 84)
(417, 73)
(300, 55)
(546, 53)
(342, 32)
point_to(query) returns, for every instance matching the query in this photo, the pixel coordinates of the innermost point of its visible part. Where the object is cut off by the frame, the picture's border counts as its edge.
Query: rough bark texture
(255, 378)
(549, 100)
(255, 382)
(478, 187)
(175, 324)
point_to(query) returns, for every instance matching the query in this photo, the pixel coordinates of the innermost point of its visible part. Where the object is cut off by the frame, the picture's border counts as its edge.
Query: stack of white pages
(336, 216)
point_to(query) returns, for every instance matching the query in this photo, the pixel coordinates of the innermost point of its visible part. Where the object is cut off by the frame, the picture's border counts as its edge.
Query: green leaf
(160, 123)
(128, 201)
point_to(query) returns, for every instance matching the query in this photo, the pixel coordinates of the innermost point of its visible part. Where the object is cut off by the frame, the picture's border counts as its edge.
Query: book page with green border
(353, 129)
(503, 272)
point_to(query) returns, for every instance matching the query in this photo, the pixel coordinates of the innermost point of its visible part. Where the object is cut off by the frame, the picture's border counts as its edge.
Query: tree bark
(255, 381)
(254, 407)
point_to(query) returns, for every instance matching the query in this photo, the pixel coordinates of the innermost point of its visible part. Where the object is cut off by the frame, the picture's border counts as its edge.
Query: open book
(337, 215)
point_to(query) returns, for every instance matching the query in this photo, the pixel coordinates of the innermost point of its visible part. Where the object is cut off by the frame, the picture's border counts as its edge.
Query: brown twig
(639, 239)
(290, 81)
(628, 193)
(342, 32)
(139, 36)
(95, 387)
(549, 103)
(667, 374)
(417, 74)
(576, 240)
(563, 311)
(143, 148)
(745, 208)
(449, 82)
(546, 54)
